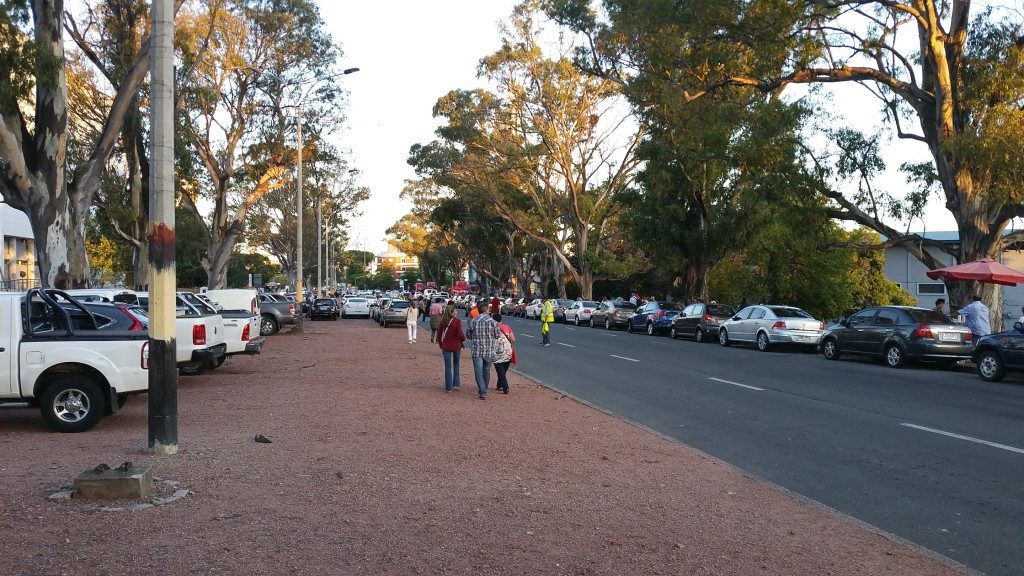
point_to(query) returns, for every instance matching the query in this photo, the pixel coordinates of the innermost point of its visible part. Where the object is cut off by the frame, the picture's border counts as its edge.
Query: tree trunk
(695, 279)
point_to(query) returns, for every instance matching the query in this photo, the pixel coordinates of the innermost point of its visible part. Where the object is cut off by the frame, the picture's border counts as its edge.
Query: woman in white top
(411, 315)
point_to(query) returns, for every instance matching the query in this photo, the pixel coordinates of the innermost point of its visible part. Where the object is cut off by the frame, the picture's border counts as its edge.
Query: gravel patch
(372, 469)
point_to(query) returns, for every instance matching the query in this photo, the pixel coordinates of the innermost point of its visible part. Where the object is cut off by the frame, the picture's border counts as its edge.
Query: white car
(769, 324)
(534, 307)
(580, 311)
(355, 306)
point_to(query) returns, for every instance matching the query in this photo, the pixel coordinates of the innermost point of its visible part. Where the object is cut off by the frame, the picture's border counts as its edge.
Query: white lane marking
(624, 358)
(607, 334)
(962, 437)
(571, 327)
(527, 335)
(735, 383)
(564, 344)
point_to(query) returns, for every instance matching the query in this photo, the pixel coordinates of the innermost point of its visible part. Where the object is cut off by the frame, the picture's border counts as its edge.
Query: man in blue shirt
(976, 317)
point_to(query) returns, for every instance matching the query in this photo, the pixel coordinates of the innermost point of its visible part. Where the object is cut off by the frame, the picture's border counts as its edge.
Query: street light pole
(298, 211)
(319, 245)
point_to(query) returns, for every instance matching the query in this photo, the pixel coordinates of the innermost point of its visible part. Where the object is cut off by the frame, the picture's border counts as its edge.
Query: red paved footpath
(373, 469)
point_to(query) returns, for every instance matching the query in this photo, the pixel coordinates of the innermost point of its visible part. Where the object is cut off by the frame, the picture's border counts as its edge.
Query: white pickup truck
(241, 324)
(54, 357)
(198, 335)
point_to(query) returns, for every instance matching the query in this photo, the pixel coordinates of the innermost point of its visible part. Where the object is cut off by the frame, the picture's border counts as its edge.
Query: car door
(880, 329)
(638, 320)
(686, 321)
(748, 327)
(853, 338)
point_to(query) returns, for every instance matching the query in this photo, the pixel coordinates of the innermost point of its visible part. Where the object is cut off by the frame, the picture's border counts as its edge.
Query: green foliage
(384, 279)
(17, 55)
(242, 265)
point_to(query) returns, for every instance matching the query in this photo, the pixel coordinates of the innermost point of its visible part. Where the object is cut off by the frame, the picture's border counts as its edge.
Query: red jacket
(452, 337)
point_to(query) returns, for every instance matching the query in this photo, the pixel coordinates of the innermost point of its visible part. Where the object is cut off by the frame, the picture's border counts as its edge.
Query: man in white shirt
(976, 317)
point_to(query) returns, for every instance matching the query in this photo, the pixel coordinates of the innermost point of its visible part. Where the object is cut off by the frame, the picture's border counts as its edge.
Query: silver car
(767, 324)
(355, 306)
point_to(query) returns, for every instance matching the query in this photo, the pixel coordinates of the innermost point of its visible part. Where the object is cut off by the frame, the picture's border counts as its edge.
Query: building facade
(399, 261)
(19, 266)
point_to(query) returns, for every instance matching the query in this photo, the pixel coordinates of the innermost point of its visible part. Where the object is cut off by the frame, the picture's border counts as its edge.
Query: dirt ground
(373, 469)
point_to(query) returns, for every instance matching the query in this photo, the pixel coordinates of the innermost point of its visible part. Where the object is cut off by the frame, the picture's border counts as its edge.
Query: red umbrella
(983, 270)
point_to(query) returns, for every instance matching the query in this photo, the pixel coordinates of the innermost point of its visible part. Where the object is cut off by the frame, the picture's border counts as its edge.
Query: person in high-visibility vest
(547, 316)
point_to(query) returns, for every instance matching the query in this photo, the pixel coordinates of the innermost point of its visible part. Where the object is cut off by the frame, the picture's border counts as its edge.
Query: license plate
(803, 339)
(949, 336)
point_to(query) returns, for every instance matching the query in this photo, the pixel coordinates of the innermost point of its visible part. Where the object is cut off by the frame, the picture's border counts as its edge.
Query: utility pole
(298, 209)
(163, 370)
(319, 245)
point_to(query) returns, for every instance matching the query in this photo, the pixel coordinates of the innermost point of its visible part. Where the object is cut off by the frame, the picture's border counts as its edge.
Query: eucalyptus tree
(251, 61)
(548, 150)
(34, 173)
(944, 77)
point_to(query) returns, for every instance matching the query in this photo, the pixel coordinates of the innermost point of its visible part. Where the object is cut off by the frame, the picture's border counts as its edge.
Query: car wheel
(723, 337)
(193, 368)
(268, 325)
(218, 362)
(72, 403)
(894, 356)
(830, 349)
(650, 329)
(607, 324)
(672, 333)
(990, 366)
(762, 342)
(699, 336)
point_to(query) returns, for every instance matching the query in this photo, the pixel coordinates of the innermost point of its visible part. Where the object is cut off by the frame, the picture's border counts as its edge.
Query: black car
(701, 321)
(612, 314)
(898, 334)
(996, 353)
(324, 308)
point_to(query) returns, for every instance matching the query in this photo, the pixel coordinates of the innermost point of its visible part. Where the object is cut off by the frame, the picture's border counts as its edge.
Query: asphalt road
(934, 456)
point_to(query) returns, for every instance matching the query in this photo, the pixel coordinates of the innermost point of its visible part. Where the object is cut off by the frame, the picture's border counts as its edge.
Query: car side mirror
(735, 317)
(1018, 326)
(845, 322)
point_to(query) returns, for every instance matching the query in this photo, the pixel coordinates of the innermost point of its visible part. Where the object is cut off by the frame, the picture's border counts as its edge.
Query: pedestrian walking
(421, 307)
(483, 333)
(501, 364)
(940, 305)
(496, 308)
(450, 339)
(976, 317)
(410, 322)
(435, 311)
(547, 316)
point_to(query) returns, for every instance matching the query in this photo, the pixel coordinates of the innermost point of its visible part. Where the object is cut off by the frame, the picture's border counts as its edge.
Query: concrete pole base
(124, 483)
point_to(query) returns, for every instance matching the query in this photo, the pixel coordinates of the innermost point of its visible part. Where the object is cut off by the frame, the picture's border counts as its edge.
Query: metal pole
(163, 370)
(319, 247)
(298, 209)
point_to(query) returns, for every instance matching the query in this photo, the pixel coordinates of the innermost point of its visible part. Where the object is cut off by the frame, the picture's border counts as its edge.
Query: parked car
(276, 310)
(997, 353)
(519, 307)
(533, 309)
(394, 312)
(324, 308)
(654, 317)
(377, 307)
(899, 334)
(765, 325)
(580, 311)
(701, 321)
(104, 315)
(506, 306)
(560, 306)
(355, 306)
(612, 314)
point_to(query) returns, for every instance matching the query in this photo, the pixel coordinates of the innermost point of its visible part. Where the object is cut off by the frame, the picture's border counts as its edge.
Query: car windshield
(564, 303)
(670, 305)
(786, 312)
(720, 310)
(324, 301)
(626, 305)
(925, 316)
(400, 304)
(588, 304)
(356, 300)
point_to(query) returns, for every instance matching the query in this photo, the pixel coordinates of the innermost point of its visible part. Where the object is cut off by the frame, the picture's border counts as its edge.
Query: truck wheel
(268, 325)
(192, 369)
(217, 362)
(72, 403)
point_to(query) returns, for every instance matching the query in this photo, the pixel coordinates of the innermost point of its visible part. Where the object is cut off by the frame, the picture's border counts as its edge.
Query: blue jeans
(482, 373)
(451, 368)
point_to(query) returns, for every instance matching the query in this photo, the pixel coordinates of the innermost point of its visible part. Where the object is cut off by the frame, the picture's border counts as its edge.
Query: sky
(411, 52)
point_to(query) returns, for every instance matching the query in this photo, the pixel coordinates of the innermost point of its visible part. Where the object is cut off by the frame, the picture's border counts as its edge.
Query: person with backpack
(450, 339)
(501, 363)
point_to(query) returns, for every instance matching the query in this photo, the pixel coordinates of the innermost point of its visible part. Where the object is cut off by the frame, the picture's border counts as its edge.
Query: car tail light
(586, 310)
(254, 306)
(199, 335)
(661, 313)
(708, 317)
(144, 359)
(821, 325)
(923, 331)
(136, 325)
(245, 333)
(779, 325)
(969, 337)
(291, 309)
